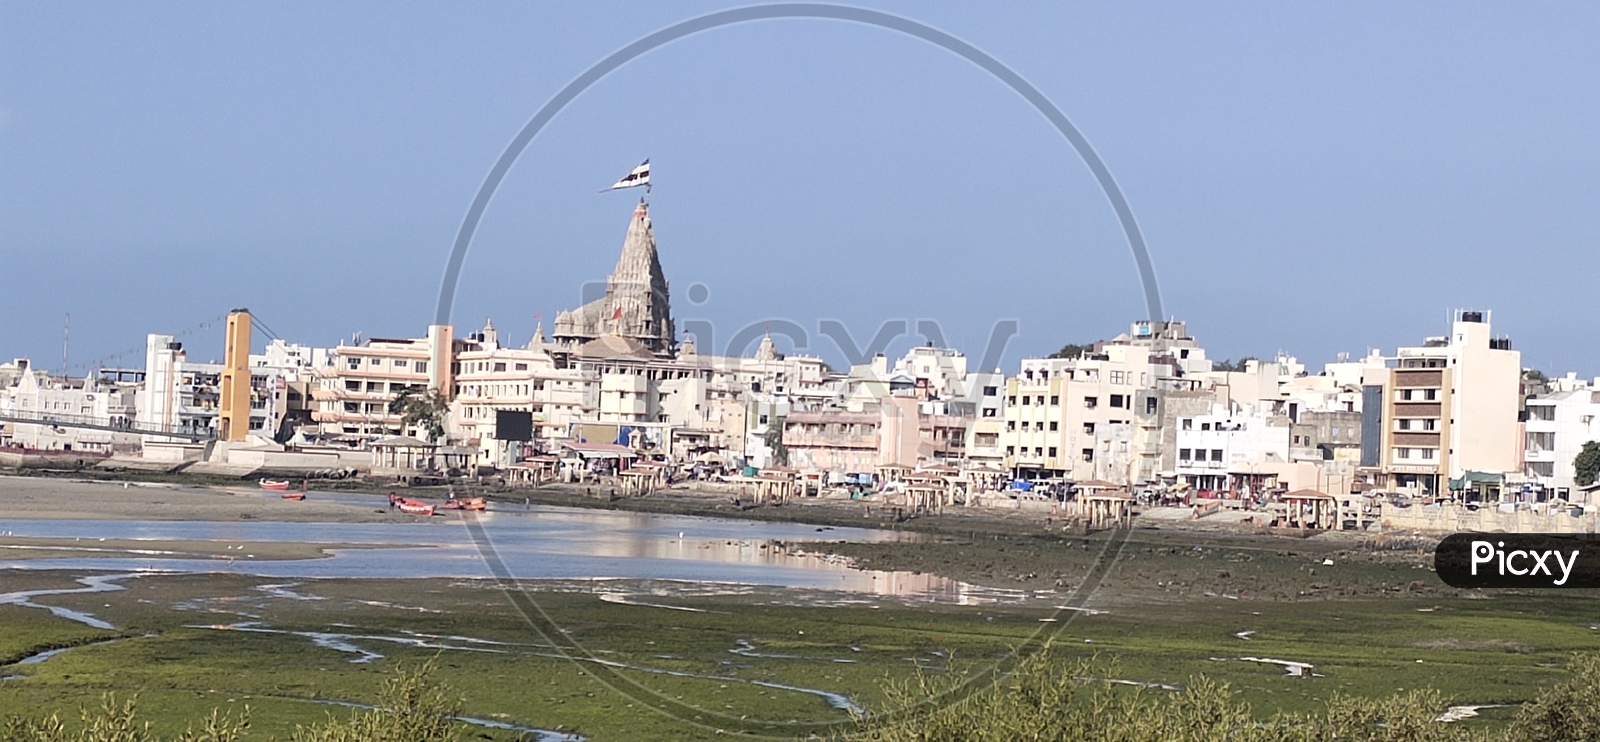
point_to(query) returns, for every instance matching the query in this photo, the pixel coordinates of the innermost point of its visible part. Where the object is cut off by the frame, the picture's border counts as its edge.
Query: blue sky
(1309, 179)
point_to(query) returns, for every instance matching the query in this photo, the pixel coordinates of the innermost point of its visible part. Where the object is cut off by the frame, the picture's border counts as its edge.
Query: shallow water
(91, 584)
(537, 543)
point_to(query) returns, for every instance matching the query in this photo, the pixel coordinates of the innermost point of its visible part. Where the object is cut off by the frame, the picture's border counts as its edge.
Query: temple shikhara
(637, 304)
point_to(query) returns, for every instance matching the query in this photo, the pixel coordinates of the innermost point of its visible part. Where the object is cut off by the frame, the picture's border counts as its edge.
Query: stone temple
(637, 305)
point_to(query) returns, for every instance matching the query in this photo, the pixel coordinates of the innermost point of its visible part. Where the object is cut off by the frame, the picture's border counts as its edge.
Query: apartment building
(1060, 414)
(490, 377)
(1558, 425)
(352, 396)
(30, 392)
(1445, 408)
(184, 396)
(845, 443)
(1232, 450)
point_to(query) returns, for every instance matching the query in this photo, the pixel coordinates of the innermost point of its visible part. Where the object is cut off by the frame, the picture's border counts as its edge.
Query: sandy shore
(14, 548)
(61, 499)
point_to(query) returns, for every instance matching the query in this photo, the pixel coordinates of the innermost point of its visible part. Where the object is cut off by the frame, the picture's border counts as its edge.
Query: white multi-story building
(352, 395)
(1445, 408)
(29, 392)
(490, 378)
(1558, 426)
(1065, 416)
(180, 395)
(1232, 451)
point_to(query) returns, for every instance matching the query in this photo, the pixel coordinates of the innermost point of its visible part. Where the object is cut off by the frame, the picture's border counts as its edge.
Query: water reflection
(539, 543)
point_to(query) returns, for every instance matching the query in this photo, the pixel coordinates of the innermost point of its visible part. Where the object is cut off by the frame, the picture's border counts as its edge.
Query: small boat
(414, 507)
(477, 503)
(296, 496)
(276, 485)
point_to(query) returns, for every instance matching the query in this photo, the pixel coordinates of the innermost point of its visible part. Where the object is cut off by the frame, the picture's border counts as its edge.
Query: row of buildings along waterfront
(1146, 410)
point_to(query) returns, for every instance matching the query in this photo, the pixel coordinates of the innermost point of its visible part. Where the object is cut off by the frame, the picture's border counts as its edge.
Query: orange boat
(276, 485)
(477, 503)
(296, 496)
(414, 507)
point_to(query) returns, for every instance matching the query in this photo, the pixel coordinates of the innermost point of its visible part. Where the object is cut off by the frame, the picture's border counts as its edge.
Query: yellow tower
(233, 418)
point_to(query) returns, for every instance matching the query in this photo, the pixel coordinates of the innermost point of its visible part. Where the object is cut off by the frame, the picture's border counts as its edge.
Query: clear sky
(1310, 179)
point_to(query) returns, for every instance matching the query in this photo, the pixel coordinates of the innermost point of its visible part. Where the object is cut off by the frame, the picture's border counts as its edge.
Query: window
(1038, 450)
(1052, 452)
(1053, 428)
(402, 363)
(1183, 454)
(1011, 450)
(1188, 423)
(990, 391)
(1025, 400)
(1011, 425)
(763, 419)
(1150, 406)
(1088, 428)
(522, 367)
(1117, 400)
(353, 364)
(1091, 402)
(1088, 454)
(988, 412)
(351, 385)
(422, 367)
(1205, 426)
(1216, 454)
(1055, 400)
(1119, 377)
(1011, 399)
(1039, 400)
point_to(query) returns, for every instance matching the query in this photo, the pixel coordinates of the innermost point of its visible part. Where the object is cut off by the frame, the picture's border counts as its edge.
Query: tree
(1073, 350)
(1587, 465)
(1227, 365)
(421, 409)
(1567, 710)
(774, 441)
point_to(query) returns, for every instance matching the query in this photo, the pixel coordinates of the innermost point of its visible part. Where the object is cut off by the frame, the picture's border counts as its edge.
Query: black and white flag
(639, 176)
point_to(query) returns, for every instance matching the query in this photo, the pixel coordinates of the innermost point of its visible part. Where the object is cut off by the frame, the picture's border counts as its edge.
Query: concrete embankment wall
(1484, 520)
(304, 460)
(48, 460)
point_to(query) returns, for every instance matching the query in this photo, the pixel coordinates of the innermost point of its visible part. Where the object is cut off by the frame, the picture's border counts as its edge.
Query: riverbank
(1159, 561)
(62, 498)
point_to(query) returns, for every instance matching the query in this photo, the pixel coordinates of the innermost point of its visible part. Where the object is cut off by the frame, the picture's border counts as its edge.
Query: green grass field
(736, 650)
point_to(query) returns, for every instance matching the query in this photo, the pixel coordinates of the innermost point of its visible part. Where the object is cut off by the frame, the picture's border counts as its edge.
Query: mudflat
(51, 498)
